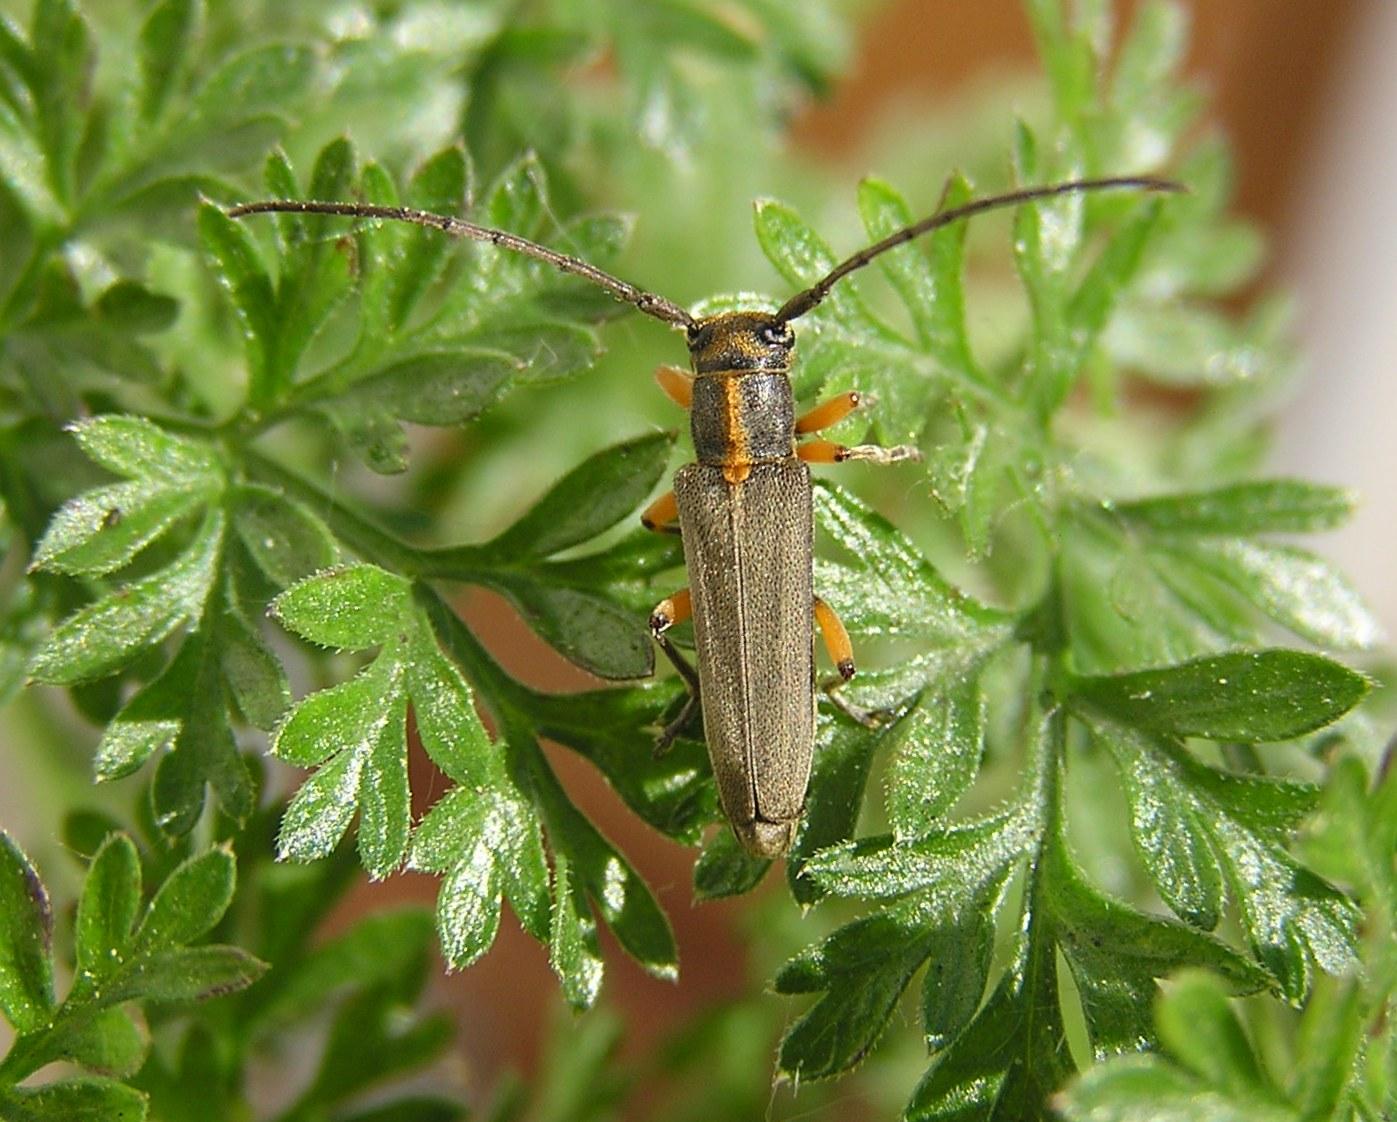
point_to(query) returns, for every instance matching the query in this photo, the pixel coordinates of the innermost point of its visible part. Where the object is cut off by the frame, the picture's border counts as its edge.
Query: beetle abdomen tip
(766, 839)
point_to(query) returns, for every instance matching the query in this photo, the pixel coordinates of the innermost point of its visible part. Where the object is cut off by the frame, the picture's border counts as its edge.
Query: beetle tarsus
(877, 454)
(667, 613)
(665, 738)
(868, 718)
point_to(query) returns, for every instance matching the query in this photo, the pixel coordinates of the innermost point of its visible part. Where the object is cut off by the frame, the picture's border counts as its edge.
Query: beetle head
(740, 341)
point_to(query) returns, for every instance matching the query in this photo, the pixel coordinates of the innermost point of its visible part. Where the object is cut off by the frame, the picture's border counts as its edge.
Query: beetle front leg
(677, 383)
(668, 612)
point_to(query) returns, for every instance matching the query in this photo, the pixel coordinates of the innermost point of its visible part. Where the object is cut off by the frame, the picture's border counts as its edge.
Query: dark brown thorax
(743, 410)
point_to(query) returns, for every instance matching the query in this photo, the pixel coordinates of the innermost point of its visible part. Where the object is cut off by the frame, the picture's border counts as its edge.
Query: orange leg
(828, 452)
(677, 383)
(841, 651)
(675, 609)
(827, 413)
(661, 515)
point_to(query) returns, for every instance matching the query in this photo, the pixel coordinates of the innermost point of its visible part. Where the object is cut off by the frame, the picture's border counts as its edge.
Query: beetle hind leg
(836, 637)
(668, 612)
(841, 653)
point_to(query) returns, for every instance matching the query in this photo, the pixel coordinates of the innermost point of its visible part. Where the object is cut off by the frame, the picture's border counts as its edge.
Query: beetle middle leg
(662, 516)
(668, 612)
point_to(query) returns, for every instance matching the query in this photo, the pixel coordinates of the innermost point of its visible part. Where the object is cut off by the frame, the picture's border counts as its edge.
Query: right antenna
(802, 302)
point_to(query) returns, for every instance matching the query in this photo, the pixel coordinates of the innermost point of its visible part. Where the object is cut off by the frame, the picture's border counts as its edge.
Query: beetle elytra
(744, 511)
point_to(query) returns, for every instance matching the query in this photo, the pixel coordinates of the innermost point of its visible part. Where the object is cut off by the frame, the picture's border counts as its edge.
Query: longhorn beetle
(744, 512)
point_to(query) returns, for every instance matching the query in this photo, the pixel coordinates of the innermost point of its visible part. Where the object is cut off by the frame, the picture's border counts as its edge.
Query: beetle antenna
(647, 302)
(802, 302)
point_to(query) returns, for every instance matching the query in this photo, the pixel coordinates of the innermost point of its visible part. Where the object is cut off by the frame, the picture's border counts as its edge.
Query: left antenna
(648, 302)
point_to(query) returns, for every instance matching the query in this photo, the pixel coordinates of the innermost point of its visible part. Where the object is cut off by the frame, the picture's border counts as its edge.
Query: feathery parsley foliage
(200, 421)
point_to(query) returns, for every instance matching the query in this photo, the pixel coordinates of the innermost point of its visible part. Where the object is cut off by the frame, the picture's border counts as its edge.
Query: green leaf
(1260, 507)
(261, 81)
(1116, 953)
(1069, 329)
(593, 497)
(950, 881)
(1300, 591)
(204, 750)
(802, 258)
(1255, 696)
(614, 887)
(101, 530)
(1146, 1088)
(253, 675)
(1174, 847)
(285, 539)
(190, 902)
(349, 608)
(417, 256)
(164, 44)
(131, 307)
(437, 387)
(240, 270)
(928, 278)
(937, 750)
(468, 907)
(674, 791)
(573, 952)
(327, 720)
(447, 721)
(111, 898)
(725, 869)
(186, 974)
(1333, 1040)
(1293, 919)
(385, 812)
(487, 843)
(1150, 54)
(864, 966)
(361, 726)
(592, 630)
(152, 719)
(883, 586)
(1067, 55)
(139, 449)
(375, 953)
(62, 53)
(838, 776)
(73, 1100)
(26, 937)
(319, 812)
(105, 635)
(1200, 1029)
(109, 1043)
(1013, 1054)
(1095, 298)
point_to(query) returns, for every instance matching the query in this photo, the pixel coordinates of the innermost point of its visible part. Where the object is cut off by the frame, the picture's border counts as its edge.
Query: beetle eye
(777, 334)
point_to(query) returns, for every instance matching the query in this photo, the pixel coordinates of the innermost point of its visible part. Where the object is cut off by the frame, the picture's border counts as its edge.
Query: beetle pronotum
(744, 512)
